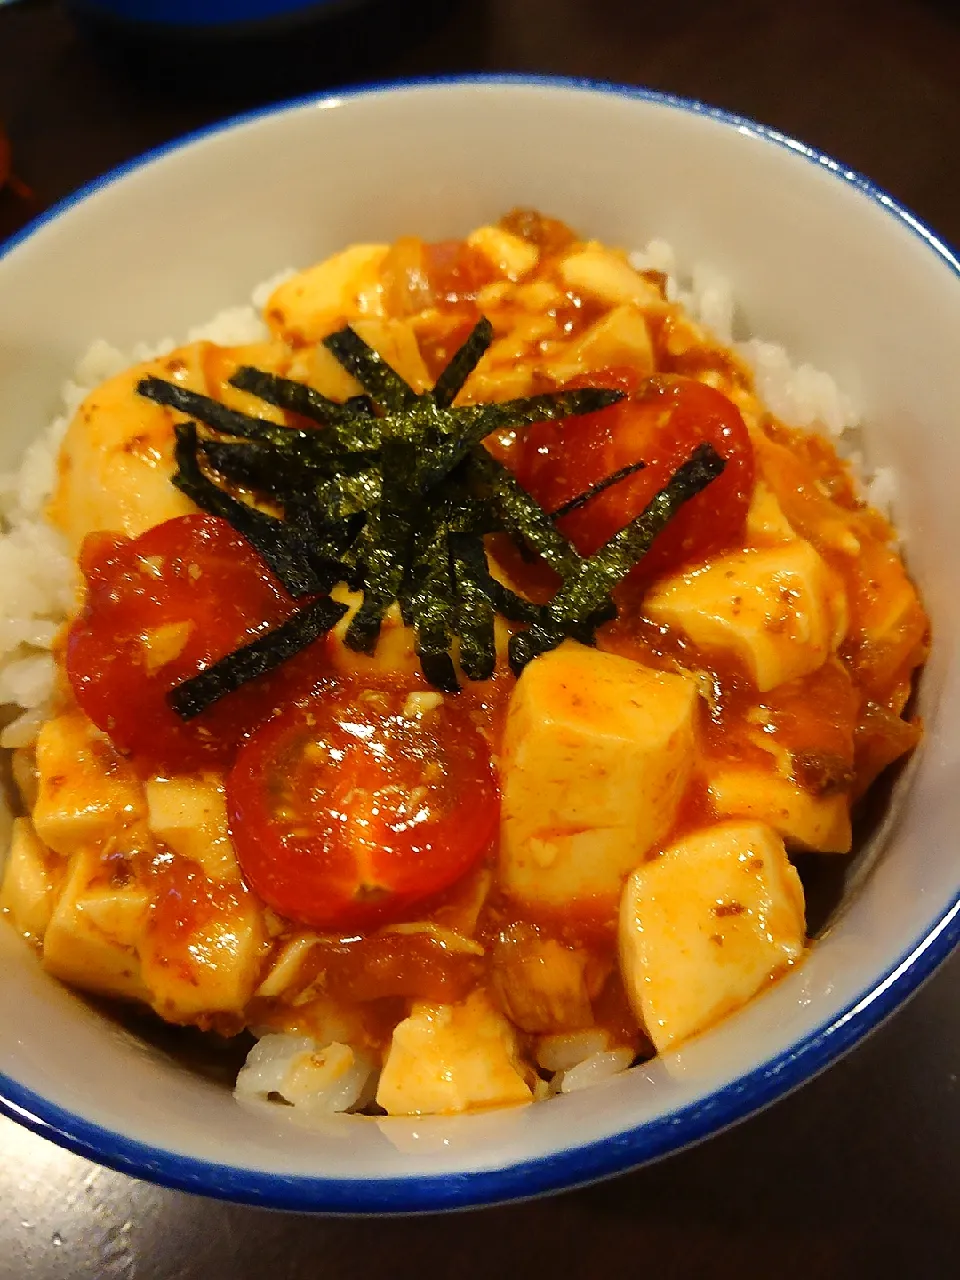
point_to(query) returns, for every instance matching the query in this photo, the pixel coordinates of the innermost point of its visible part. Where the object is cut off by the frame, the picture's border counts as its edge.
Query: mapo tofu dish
(456, 671)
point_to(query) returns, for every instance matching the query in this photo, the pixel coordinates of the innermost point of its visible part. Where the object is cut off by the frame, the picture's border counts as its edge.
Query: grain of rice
(563, 1052)
(714, 302)
(882, 491)
(801, 396)
(26, 681)
(316, 1080)
(231, 328)
(599, 1066)
(23, 731)
(657, 255)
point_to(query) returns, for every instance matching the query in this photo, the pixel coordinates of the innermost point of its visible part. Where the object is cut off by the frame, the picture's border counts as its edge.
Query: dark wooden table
(858, 1174)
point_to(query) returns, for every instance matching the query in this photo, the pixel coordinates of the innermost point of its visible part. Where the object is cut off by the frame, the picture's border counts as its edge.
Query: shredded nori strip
(349, 494)
(393, 493)
(595, 490)
(351, 422)
(523, 516)
(549, 407)
(604, 569)
(450, 383)
(383, 548)
(474, 608)
(254, 466)
(586, 592)
(269, 537)
(229, 422)
(255, 659)
(425, 602)
(371, 370)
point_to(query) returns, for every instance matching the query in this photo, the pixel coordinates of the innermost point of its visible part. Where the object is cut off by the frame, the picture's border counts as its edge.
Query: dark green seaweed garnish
(450, 383)
(588, 590)
(212, 413)
(393, 493)
(255, 659)
(351, 422)
(523, 517)
(475, 606)
(370, 369)
(598, 575)
(255, 466)
(588, 495)
(273, 539)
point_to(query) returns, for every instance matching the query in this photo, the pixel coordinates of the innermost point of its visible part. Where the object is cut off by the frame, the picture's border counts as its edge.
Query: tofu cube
(781, 611)
(221, 364)
(208, 959)
(447, 1058)
(538, 296)
(596, 755)
(28, 891)
(307, 306)
(85, 790)
(706, 925)
(394, 656)
(319, 368)
(817, 824)
(396, 341)
(621, 337)
(596, 272)
(116, 459)
(190, 816)
(91, 940)
(766, 523)
(509, 254)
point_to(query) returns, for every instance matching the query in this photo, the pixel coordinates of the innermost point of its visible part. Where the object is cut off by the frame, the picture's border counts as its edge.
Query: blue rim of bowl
(574, 1166)
(204, 14)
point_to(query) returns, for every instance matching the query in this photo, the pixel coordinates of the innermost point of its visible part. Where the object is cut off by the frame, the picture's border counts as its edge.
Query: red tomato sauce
(347, 813)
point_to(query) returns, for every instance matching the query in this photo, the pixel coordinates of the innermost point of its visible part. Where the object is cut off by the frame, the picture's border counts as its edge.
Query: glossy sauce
(837, 726)
(817, 719)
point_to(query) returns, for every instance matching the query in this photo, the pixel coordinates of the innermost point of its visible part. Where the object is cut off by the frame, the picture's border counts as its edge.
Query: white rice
(800, 395)
(577, 1059)
(38, 585)
(37, 588)
(38, 580)
(563, 1052)
(599, 1066)
(317, 1080)
(882, 490)
(231, 328)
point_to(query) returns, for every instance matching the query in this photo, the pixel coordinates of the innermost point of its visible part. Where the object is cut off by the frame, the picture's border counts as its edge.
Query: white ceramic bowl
(822, 262)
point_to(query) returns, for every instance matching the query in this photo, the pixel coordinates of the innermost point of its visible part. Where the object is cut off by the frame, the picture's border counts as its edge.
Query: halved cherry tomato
(345, 811)
(159, 609)
(661, 422)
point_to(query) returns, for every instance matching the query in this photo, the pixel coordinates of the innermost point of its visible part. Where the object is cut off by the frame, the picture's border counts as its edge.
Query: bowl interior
(818, 263)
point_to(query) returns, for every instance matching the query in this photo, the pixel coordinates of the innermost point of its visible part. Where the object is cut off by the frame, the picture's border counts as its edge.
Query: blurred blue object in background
(245, 51)
(212, 13)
